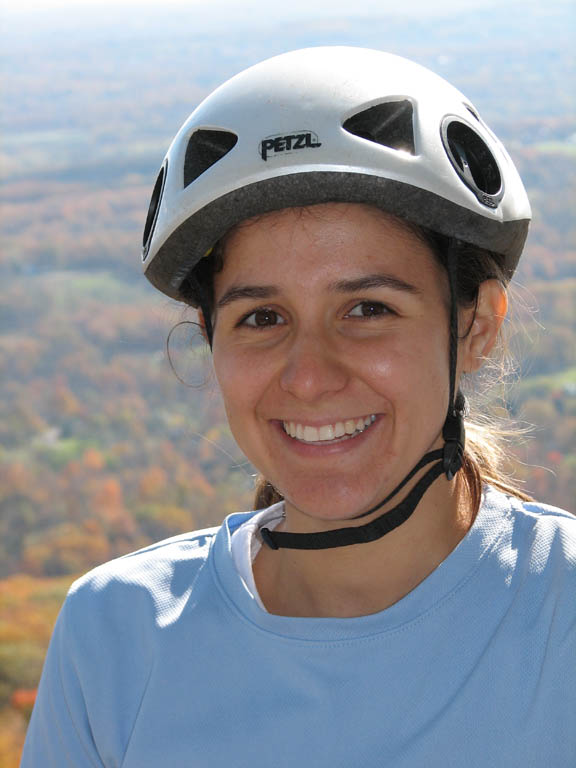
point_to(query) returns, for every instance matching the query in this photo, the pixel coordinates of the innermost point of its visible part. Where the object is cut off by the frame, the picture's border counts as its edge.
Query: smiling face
(331, 351)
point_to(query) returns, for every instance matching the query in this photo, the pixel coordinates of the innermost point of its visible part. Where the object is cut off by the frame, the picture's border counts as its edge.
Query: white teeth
(327, 432)
(339, 429)
(310, 435)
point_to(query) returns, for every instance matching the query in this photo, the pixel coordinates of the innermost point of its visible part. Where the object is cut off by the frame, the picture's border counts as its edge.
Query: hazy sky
(324, 6)
(22, 19)
(273, 10)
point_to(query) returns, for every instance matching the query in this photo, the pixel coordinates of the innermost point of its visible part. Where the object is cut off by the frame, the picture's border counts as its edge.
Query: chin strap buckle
(267, 538)
(454, 440)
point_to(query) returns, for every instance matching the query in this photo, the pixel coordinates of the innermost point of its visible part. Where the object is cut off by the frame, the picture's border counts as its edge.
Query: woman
(346, 224)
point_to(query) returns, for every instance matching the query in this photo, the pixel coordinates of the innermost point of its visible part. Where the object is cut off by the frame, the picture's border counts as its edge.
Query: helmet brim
(184, 247)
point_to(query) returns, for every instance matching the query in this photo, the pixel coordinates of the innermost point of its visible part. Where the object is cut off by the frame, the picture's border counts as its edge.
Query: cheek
(231, 380)
(414, 368)
(242, 382)
(414, 381)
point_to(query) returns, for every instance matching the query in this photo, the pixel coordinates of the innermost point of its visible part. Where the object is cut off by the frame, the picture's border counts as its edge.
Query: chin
(329, 505)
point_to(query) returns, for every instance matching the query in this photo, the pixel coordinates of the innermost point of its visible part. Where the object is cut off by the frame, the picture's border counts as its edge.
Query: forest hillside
(102, 448)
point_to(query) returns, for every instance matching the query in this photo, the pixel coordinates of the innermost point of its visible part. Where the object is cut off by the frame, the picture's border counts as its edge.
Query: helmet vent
(153, 209)
(205, 148)
(473, 161)
(388, 124)
(472, 112)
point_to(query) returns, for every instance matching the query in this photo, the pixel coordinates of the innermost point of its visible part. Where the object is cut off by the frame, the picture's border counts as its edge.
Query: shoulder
(116, 623)
(533, 565)
(533, 512)
(150, 585)
(152, 564)
(554, 529)
(542, 537)
(548, 512)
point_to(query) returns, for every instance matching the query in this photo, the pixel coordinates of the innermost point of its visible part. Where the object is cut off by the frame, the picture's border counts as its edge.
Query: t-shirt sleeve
(59, 734)
(102, 654)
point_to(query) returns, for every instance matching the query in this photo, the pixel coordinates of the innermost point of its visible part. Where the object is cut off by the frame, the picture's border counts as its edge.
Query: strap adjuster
(267, 538)
(454, 435)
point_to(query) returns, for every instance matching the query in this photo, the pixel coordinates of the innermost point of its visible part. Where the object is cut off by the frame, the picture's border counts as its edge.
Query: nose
(312, 368)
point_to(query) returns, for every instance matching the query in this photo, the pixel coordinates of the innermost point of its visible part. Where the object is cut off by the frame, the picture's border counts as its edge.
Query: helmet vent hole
(389, 124)
(472, 112)
(205, 148)
(152, 214)
(472, 159)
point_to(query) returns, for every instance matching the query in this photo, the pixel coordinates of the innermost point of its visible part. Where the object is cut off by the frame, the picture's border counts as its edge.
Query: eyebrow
(376, 280)
(354, 285)
(238, 292)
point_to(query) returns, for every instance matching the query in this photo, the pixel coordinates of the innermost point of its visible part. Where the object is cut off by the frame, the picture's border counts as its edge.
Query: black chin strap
(448, 461)
(342, 537)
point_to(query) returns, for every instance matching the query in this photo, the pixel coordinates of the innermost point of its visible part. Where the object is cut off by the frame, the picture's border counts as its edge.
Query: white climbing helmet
(332, 124)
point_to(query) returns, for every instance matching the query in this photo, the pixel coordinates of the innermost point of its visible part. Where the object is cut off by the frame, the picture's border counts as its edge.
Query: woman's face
(331, 351)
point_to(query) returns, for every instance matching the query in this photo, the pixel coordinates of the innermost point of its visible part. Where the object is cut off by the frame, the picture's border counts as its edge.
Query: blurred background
(102, 449)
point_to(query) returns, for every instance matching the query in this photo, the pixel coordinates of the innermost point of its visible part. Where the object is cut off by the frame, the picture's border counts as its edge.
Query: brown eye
(369, 309)
(262, 318)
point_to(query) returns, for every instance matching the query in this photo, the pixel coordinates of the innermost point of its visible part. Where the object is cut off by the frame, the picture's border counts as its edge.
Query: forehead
(315, 243)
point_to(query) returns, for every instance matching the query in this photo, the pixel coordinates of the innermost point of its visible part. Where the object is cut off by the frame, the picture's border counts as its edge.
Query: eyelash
(243, 320)
(383, 309)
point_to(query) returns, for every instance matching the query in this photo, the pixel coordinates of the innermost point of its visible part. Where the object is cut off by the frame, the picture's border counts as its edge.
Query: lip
(318, 450)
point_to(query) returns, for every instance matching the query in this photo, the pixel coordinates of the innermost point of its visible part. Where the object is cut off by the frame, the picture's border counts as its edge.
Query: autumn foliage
(102, 449)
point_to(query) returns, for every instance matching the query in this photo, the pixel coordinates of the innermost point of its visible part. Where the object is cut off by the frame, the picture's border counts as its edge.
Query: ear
(486, 322)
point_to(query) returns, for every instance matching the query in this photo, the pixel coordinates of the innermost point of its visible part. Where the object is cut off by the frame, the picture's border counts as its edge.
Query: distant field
(542, 385)
(557, 148)
(102, 449)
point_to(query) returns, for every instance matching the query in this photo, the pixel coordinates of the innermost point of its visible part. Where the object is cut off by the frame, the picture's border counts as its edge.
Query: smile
(328, 433)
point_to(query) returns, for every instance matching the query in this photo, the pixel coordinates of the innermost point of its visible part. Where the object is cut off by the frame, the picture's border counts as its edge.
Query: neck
(363, 578)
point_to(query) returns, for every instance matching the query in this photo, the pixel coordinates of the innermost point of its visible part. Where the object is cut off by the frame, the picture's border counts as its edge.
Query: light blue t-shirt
(163, 659)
